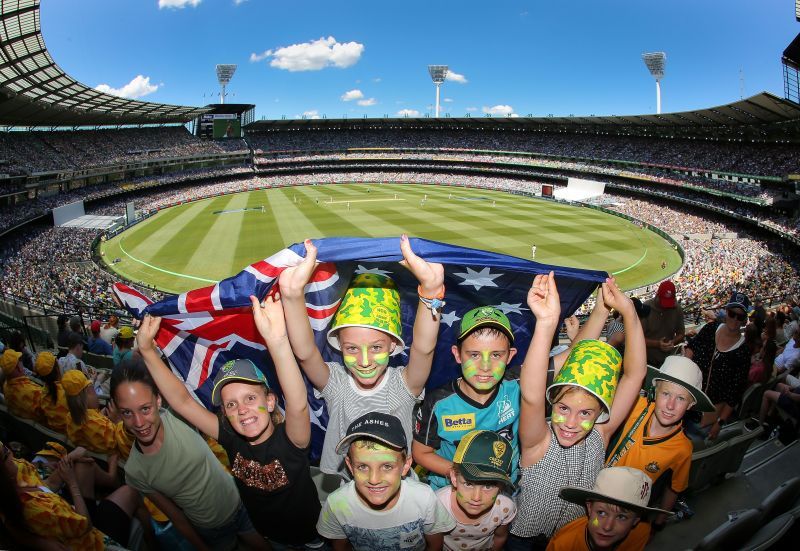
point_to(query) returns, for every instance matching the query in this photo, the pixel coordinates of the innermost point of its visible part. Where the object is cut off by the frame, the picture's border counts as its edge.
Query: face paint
(595, 522)
(262, 409)
(587, 425)
(364, 355)
(382, 358)
(470, 370)
(558, 418)
(350, 361)
(376, 483)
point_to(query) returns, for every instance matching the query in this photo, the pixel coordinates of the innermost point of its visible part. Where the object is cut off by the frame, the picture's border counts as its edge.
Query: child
(483, 398)
(616, 505)
(367, 330)
(571, 448)
(86, 426)
(22, 395)
(486, 397)
(378, 509)
(269, 461)
(481, 469)
(52, 410)
(652, 439)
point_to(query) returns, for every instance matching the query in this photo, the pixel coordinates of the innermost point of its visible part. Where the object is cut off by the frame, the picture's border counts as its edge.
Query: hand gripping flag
(204, 328)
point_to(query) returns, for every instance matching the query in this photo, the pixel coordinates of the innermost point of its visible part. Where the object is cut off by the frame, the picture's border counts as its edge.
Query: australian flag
(204, 328)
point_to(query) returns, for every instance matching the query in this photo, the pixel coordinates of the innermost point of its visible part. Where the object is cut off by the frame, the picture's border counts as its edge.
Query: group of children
(500, 475)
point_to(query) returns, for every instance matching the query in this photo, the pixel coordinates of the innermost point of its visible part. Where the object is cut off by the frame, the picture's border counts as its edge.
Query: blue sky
(370, 57)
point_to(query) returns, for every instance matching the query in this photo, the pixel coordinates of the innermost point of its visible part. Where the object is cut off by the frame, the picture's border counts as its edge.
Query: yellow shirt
(572, 537)
(50, 516)
(54, 415)
(100, 434)
(22, 397)
(27, 474)
(655, 456)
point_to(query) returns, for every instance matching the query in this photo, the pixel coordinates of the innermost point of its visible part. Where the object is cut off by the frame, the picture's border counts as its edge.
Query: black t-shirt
(274, 480)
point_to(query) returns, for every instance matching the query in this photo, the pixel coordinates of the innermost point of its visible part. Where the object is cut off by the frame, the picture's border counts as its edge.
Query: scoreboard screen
(220, 126)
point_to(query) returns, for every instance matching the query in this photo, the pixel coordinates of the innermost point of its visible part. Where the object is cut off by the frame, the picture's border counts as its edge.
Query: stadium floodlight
(655, 62)
(438, 74)
(224, 76)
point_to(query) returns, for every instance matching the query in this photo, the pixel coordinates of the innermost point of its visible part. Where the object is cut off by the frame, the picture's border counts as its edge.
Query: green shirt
(186, 471)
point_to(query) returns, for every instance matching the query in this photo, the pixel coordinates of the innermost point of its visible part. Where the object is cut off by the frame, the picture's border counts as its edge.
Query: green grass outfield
(190, 246)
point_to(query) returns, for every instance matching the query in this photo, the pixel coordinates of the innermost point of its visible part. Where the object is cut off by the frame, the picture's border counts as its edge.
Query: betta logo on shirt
(464, 421)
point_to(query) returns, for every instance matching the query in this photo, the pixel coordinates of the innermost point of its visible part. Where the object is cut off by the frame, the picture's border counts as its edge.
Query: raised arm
(533, 433)
(591, 329)
(426, 325)
(170, 387)
(634, 362)
(293, 283)
(272, 327)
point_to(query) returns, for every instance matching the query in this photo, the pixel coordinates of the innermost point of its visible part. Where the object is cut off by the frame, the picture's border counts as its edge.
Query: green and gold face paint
(477, 372)
(558, 418)
(377, 472)
(587, 425)
(595, 522)
(379, 360)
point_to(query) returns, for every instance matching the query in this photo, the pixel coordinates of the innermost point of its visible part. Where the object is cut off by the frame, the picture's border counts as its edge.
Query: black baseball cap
(377, 426)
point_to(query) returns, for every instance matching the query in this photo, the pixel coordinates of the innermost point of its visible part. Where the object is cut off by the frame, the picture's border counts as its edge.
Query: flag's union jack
(204, 328)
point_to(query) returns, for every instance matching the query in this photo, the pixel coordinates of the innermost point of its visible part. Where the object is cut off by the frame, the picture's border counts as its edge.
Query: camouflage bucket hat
(372, 300)
(593, 366)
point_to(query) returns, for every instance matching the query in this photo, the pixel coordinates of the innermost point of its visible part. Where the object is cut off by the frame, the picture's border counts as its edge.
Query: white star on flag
(362, 270)
(478, 279)
(450, 318)
(510, 308)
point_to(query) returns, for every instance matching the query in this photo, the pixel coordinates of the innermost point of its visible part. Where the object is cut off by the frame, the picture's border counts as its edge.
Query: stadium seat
(706, 465)
(781, 499)
(98, 361)
(737, 447)
(770, 534)
(751, 402)
(731, 533)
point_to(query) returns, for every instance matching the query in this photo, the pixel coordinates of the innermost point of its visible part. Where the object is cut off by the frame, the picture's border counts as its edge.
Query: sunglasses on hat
(737, 315)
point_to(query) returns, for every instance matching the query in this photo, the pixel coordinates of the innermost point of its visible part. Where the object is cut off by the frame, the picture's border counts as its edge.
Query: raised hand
(66, 471)
(146, 335)
(293, 280)
(429, 274)
(269, 318)
(573, 326)
(615, 298)
(543, 299)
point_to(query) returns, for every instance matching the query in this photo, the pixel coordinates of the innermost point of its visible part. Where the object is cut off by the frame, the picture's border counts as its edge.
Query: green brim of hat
(333, 337)
(579, 496)
(602, 418)
(702, 402)
(475, 473)
(216, 391)
(489, 323)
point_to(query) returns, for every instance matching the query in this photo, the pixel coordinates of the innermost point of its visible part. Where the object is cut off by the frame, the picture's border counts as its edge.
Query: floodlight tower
(224, 76)
(438, 74)
(655, 63)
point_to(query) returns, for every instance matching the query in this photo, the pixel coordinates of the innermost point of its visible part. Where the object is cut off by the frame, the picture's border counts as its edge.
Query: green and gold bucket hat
(593, 366)
(372, 300)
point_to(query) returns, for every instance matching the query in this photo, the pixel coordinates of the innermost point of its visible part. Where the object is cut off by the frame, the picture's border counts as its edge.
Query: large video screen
(227, 126)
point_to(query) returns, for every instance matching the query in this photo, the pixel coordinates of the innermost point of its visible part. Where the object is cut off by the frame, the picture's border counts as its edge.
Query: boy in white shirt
(380, 510)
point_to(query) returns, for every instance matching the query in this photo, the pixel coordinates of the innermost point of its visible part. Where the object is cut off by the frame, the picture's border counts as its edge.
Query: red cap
(96, 326)
(666, 294)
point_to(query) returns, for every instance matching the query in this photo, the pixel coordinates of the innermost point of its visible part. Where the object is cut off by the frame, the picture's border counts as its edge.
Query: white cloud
(471, 109)
(367, 102)
(136, 88)
(448, 100)
(311, 114)
(377, 79)
(503, 110)
(455, 77)
(408, 113)
(350, 95)
(313, 55)
(238, 2)
(177, 4)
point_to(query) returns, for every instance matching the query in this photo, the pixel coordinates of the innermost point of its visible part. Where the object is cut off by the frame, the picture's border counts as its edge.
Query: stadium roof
(758, 111)
(35, 91)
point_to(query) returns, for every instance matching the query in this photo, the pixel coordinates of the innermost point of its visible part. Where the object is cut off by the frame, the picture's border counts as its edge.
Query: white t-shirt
(347, 402)
(479, 535)
(417, 512)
